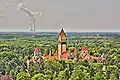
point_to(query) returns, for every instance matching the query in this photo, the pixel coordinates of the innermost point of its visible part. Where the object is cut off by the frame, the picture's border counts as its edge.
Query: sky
(72, 15)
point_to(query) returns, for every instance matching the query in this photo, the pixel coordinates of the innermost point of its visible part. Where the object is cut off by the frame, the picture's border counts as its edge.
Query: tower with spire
(61, 43)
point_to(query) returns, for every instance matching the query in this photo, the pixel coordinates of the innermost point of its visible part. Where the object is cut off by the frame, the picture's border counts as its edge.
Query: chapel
(63, 53)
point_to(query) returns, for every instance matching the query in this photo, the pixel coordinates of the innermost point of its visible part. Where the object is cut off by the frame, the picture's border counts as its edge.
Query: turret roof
(45, 54)
(62, 33)
(84, 48)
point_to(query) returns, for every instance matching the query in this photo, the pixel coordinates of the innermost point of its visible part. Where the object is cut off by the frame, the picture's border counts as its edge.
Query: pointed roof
(55, 54)
(75, 51)
(45, 54)
(62, 33)
(84, 48)
(36, 49)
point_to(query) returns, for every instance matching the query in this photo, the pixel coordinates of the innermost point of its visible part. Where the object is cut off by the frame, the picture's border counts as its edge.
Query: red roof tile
(65, 54)
(84, 48)
(45, 54)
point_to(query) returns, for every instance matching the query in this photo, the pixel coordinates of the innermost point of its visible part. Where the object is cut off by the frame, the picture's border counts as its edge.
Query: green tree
(99, 76)
(63, 75)
(113, 77)
(41, 77)
(23, 76)
(79, 73)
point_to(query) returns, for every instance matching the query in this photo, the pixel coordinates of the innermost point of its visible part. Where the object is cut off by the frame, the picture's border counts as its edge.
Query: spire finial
(62, 33)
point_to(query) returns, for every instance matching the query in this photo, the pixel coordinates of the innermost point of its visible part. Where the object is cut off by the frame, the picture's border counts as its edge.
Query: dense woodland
(16, 48)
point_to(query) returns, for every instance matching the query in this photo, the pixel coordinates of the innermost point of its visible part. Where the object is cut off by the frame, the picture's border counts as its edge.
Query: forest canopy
(16, 48)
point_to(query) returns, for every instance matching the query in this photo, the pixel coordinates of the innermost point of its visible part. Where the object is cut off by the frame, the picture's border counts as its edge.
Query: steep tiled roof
(45, 54)
(84, 48)
(62, 33)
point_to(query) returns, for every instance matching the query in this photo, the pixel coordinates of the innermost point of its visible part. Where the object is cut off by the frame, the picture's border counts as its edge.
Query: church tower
(61, 43)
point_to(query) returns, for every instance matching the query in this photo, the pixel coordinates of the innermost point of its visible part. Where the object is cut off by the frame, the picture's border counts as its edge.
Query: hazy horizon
(58, 31)
(73, 16)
